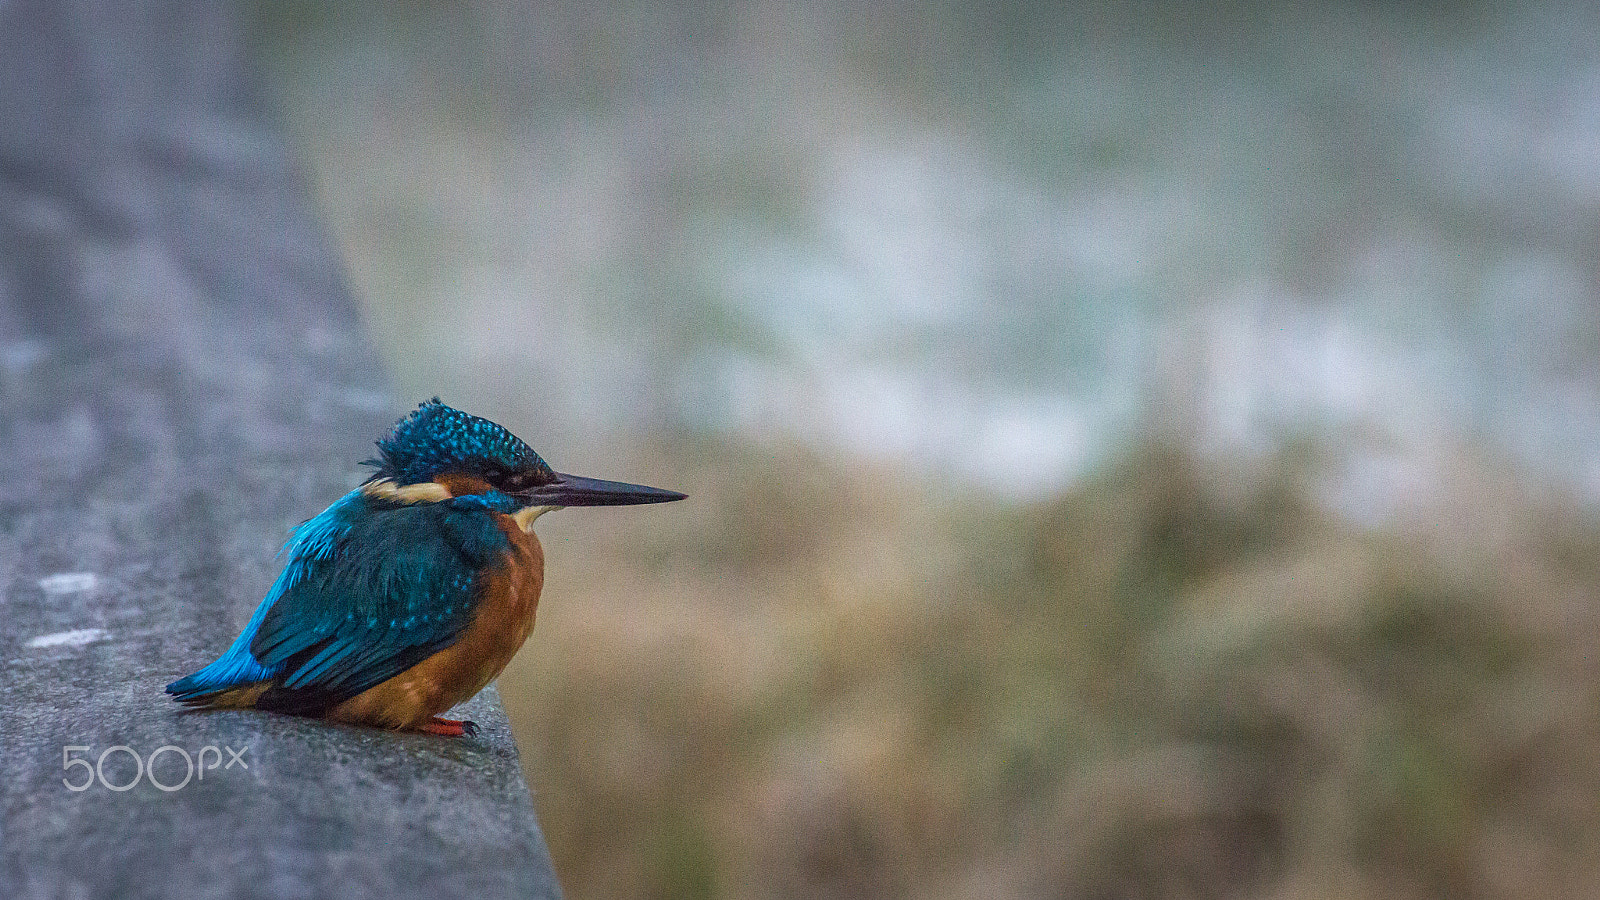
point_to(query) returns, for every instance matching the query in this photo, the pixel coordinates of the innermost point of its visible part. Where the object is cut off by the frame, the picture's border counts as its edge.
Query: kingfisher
(409, 594)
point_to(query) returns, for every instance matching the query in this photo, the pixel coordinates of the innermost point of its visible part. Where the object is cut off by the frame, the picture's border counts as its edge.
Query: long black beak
(576, 490)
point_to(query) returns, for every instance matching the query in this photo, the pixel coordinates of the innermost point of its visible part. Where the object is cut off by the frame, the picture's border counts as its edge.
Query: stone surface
(183, 378)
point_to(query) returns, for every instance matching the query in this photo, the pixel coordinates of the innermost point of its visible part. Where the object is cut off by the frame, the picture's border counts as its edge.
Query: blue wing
(370, 589)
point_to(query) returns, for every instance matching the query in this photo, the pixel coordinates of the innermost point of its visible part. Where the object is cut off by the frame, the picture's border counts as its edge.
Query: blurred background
(1136, 449)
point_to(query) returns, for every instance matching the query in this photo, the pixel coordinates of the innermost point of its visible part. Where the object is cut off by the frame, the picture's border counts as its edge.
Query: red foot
(449, 727)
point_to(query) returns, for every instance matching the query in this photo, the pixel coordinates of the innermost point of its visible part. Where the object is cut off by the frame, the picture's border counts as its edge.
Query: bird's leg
(448, 727)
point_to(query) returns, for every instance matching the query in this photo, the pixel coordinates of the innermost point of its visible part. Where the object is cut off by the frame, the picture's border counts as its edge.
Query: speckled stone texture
(183, 378)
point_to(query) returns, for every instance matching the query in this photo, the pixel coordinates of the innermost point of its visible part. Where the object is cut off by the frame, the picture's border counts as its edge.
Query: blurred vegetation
(1168, 682)
(1286, 643)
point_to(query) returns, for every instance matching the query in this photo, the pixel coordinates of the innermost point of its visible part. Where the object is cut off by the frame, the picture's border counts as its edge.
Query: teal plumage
(371, 588)
(438, 438)
(410, 593)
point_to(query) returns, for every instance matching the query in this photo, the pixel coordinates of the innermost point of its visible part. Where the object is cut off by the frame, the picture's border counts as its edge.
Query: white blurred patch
(1031, 444)
(75, 638)
(18, 356)
(68, 583)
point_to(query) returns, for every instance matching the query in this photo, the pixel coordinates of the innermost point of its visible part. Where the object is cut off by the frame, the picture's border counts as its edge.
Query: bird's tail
(241, 696)
(228, 682)
(221, 682)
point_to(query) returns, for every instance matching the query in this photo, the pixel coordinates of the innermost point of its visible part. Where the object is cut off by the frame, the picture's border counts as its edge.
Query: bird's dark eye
(519, 481)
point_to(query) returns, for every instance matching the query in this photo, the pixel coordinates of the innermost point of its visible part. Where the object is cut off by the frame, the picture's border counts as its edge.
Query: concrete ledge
(183, 378)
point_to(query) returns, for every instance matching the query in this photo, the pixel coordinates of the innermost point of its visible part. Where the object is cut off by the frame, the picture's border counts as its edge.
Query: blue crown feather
(437, 438)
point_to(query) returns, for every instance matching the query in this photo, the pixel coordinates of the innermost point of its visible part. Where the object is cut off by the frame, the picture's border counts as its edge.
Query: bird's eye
(520, 481)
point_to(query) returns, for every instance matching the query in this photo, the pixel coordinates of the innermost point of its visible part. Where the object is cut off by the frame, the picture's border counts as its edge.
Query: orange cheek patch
(462, 485)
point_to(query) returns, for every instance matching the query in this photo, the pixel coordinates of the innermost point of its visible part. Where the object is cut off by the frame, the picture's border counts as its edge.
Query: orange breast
(505, 617)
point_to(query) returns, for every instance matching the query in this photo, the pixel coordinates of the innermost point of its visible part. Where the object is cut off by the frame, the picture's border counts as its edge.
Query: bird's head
(438, 445)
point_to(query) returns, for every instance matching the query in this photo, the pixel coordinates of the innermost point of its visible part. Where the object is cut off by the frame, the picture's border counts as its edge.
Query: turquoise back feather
(371, 588)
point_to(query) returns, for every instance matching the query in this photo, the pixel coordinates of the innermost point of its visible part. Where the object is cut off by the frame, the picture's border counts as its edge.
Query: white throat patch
(524, 517)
